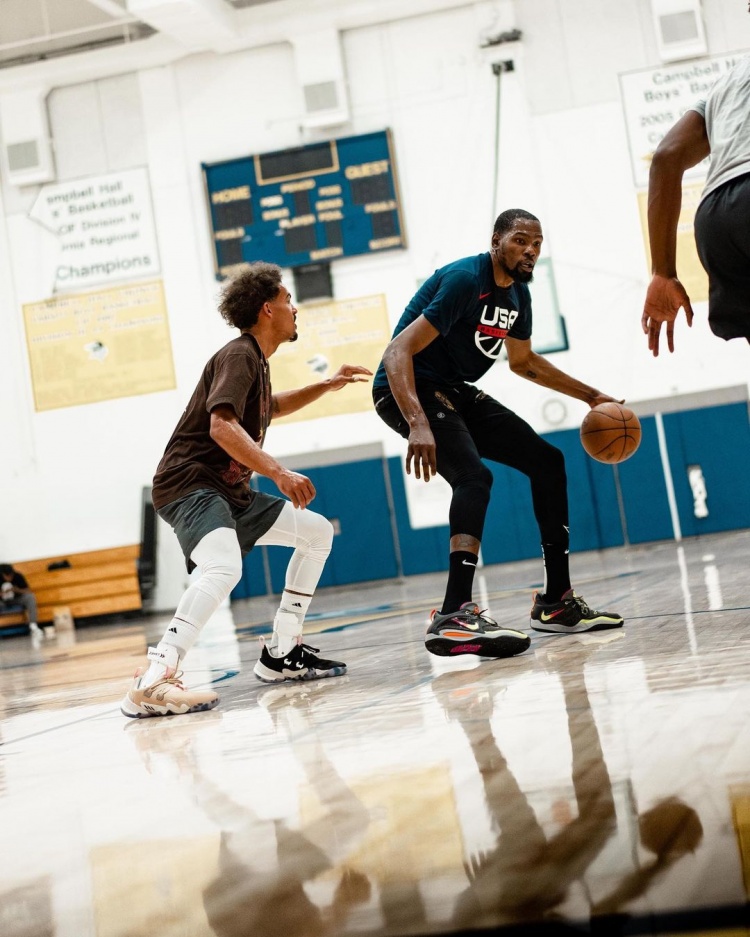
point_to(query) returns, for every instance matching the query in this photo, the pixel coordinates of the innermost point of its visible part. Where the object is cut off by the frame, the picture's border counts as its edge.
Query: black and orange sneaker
(570, 615)
(471, 631)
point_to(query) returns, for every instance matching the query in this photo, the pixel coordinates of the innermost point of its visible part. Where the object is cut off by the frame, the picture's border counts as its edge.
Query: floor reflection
(264, 864)
(527, 874)
(598, 783)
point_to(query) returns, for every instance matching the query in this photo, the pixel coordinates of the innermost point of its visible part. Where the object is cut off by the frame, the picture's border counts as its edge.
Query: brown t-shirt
(236, 376)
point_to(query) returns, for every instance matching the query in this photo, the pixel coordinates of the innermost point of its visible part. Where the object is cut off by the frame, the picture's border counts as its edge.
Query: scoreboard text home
(310, 204)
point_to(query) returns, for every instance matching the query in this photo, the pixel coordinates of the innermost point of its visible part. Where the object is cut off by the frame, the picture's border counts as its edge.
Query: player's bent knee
(219, 558)
(549, 462)
(479, 480)
(318, 533)
(557, 460)
(226, 573)
(487, 478)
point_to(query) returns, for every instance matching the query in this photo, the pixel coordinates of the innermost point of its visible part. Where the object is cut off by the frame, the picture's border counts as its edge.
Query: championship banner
(350, 331)
(89, 347)
(104, 226)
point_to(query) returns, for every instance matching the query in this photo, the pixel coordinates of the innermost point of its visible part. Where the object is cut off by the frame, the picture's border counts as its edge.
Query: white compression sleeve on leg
(311, 536)
(219, 559)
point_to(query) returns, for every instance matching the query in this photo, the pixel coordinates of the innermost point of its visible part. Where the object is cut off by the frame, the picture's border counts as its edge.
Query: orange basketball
(610, 433)
(670, 828)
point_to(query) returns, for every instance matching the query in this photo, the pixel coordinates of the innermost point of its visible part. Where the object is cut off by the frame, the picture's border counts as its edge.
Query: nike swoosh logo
(466, 624)
(546, 617)
(467, 563)
(484, 295)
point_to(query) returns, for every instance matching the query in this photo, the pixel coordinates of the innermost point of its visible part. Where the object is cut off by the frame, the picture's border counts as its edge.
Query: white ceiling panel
(33, 30)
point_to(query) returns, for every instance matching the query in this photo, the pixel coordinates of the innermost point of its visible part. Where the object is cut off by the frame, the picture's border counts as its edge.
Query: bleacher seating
(99, 582)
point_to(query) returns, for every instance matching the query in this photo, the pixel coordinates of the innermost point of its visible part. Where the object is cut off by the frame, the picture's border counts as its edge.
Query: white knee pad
(319, 532)
(219, 558)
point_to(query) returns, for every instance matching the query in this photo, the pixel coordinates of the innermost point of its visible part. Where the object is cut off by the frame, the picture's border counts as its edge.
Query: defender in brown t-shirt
(201, 489)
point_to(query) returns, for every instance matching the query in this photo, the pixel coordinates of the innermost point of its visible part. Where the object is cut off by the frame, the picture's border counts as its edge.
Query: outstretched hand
(348, 374)
(664, 299)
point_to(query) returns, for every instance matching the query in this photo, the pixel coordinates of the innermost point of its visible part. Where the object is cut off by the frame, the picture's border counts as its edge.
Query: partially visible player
(15, 590)
(451, 333)
(201, 490)
(719, 126)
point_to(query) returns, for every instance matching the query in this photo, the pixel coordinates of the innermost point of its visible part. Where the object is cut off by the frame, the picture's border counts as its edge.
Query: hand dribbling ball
(610, 433)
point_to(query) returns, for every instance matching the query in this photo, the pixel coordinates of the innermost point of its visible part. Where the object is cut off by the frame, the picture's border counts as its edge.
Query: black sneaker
(570, 614)
(470, 631)
(301, 663)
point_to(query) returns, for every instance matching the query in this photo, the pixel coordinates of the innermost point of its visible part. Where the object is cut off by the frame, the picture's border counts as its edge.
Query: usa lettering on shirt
(493, 328)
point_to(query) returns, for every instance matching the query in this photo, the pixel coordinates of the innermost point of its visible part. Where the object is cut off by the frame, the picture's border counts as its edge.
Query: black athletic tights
(468, 426)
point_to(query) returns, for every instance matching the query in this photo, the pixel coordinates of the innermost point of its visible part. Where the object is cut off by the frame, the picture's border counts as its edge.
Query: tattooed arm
(527, 363)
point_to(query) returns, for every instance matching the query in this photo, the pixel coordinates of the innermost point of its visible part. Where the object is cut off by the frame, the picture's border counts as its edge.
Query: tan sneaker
(165, 697)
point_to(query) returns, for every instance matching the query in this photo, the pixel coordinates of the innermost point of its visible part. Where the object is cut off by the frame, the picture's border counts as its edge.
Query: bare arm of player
(685, 145)
(227, 432)
(288, 401)
(399, 366)
(527, 363)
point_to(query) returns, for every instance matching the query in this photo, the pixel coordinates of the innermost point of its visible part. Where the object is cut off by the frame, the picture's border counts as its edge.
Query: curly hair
(243, 297)
(506, 219)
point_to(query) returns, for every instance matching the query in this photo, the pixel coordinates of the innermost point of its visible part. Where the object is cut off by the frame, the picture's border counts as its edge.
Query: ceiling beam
(194, 24)
(115, 8)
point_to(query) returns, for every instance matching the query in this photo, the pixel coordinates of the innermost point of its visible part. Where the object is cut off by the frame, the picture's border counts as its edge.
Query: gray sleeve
(700, 107)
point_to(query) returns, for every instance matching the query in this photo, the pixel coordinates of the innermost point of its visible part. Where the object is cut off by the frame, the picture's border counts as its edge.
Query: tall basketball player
(451, 333)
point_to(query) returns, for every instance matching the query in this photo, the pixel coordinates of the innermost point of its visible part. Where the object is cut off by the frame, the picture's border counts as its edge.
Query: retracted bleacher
(99, 582)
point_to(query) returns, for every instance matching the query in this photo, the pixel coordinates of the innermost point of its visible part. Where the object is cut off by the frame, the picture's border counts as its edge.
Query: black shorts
(204, 510)
(722, 235)
(468, 425)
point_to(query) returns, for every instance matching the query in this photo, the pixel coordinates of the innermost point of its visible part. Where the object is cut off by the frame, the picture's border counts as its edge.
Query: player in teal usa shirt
(473, 315)
(451, 333)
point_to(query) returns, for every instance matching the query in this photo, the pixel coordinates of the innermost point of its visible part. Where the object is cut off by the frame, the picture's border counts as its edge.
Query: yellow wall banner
(689, 268)
(99, 346)
(350, 331)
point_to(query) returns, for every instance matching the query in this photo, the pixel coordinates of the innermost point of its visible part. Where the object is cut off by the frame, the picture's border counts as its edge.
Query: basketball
(670, 828)
(610, 433)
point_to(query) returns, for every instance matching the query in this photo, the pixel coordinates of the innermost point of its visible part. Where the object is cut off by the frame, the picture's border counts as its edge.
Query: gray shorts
(204, 510)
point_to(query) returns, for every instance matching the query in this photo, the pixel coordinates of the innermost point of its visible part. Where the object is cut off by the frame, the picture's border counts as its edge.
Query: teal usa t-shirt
(473, 315)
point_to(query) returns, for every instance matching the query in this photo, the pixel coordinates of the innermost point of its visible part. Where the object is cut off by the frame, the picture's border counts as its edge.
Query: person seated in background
(14, 590)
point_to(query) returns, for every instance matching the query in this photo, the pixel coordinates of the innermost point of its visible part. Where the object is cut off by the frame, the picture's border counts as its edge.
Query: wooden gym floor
(597, 783)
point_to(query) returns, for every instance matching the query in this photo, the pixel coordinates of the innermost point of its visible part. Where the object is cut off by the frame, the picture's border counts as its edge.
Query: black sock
(556, 571)
(460, 580)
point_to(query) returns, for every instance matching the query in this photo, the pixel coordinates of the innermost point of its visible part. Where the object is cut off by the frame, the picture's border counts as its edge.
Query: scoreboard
(309, 204)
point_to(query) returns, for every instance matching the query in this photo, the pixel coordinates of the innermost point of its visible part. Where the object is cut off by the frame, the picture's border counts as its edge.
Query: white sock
(289, 620)
(295, 603)
(162, 658)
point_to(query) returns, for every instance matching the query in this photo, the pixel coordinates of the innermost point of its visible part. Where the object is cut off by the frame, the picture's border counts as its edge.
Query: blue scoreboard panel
(309, 204)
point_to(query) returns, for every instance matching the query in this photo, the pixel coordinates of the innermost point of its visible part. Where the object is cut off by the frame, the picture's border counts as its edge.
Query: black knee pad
(471, 495)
